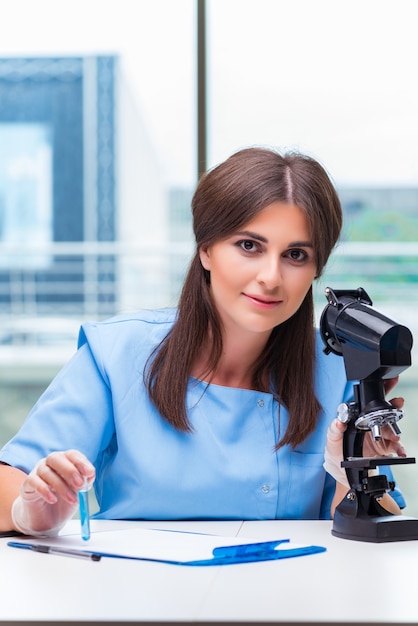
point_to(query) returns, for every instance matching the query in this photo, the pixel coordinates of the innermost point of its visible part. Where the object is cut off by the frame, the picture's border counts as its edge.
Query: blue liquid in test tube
(83, 500)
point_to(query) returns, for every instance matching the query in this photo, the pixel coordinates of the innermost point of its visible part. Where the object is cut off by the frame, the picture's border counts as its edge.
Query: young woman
(218, 409)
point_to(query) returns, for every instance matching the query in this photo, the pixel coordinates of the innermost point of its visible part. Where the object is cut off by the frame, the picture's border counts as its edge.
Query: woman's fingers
(390, 383)
(390, 443)
(60, 476)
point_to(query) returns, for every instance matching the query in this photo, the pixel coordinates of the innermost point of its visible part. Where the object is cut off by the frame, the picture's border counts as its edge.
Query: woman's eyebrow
(293, 244)
(301, 244)
(248, 233)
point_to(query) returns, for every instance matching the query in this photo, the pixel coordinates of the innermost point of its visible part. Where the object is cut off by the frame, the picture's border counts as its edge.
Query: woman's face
(260, 275)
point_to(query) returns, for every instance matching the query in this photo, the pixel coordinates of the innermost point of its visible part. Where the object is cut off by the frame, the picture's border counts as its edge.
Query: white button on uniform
(260, 403)
(265, 488)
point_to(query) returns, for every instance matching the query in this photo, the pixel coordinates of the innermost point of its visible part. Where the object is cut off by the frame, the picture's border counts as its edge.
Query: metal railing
(94, 280)
(389, 270)
(88, 280)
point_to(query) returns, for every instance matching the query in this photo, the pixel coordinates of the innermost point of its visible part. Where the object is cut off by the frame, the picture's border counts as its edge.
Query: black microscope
(374, 348)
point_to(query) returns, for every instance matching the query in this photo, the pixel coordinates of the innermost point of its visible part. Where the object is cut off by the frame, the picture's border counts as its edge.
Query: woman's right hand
(333, 454)
(48, 496)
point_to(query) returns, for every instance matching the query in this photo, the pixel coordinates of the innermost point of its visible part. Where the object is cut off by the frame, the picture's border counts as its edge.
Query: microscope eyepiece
(369, 341)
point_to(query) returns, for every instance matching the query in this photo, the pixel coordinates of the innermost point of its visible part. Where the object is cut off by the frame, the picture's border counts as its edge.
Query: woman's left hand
(390, 443)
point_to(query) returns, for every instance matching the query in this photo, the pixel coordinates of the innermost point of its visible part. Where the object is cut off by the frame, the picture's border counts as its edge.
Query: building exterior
(80, 182)
(402, 199)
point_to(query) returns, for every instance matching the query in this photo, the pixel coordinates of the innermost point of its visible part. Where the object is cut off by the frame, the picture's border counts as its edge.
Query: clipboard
(174, 547)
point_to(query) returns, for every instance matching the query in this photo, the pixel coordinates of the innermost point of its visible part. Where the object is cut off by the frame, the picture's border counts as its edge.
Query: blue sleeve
(75, 412)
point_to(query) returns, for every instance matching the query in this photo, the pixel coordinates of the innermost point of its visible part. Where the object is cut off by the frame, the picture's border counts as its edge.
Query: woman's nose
(270, 273)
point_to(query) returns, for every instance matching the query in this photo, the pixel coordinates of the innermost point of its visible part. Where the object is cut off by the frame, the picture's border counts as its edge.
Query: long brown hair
(226, 198)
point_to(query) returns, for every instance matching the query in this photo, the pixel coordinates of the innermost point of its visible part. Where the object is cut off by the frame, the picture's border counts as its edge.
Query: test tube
(83, 500)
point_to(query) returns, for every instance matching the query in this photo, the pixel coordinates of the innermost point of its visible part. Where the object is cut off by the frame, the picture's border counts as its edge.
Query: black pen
(39, 547)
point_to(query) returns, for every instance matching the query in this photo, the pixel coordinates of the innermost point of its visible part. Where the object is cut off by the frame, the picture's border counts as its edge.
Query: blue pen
(83, 500)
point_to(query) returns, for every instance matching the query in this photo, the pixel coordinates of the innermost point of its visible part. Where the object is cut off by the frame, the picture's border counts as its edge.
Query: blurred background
(109, 112)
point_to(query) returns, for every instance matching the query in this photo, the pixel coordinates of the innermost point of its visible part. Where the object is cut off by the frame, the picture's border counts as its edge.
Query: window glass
(97, 144)
(25, 184)
(155, 41)
(334, 79)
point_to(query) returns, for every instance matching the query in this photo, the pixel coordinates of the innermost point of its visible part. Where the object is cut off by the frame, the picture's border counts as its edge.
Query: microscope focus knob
(346, 411)
(342, 412)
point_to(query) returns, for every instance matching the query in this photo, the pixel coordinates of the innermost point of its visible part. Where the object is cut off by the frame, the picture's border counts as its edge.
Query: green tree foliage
(371, 225)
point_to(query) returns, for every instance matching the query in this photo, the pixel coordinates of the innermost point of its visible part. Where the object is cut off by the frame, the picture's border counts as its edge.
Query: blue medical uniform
(226, 468)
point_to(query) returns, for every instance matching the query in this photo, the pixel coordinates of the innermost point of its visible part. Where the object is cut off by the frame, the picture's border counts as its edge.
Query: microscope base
(375, 528)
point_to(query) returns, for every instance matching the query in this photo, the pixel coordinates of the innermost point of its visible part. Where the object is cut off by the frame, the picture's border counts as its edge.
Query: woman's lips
(260, 301)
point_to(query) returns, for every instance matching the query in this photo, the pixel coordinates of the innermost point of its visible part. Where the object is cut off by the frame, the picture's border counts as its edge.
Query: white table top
(352, 582)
